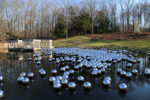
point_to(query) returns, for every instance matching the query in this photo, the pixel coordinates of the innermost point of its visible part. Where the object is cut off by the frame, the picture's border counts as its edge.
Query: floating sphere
(1, 94)
(107, 78)
(52, 79)
(66, 72)
(37, 58)
(30, 75)
(59, 77)
(64, 81)
(103, 70)
(80, 78)
(25, 80)
(56, 81)
(50, 60)
(108, 64)
(57, 60)
(106, 82)
(23, 74)
(129, 65)
(119, 70)
(35, 55)
(134, 71)
(38, 62)
(20, 78)
(76, 67)
(115, 61)
(71, 72)
(62, 69)
(123, 86)
(65, 76)
(87, 85)
(66, 67)
(128, 75)
(123, 73)
(54, 71)
(1, 78)
(42, 72)
(99, 72)
(147, 71)
(94, 72)
(72, 85)
(56, 85)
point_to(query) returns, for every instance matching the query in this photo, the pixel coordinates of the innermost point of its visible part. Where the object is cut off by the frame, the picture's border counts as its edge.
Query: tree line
(45, 19)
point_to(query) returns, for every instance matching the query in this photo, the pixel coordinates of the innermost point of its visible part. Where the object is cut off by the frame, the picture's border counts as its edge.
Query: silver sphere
(42, 72)
(20, 78)
(106, 82)
(103, 70)
(128, 75)
(25, 80)
(30, 75)
(107, 78)
(147, 71)
(76, 67)
(66, 72)
(62, 69)
(65, 76)
(64, 81)
(23, 74)
(38, 62)
(80, 78)
(1, 78)
(71, 72)
(1, 94)
(56, 85)
(56, 81)
(87, 85)
(54, 71)
(129, 65)
(123, 73)
(66, 67)
(119, 70)
(99, 72)
(123, 86)
(72, 85)
(134, 71)
(94, 72)
(59, 77)
(52, 79)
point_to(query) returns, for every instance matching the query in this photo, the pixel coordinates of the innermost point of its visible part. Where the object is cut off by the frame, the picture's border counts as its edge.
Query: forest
(52, 19)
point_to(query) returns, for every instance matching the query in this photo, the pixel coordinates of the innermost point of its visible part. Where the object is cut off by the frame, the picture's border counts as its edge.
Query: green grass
(83, 41)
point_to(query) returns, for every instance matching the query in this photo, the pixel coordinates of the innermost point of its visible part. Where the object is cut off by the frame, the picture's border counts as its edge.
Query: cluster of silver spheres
(95, 63)
(1, 91)
(123, 86)
(25, 77)
(107, 81)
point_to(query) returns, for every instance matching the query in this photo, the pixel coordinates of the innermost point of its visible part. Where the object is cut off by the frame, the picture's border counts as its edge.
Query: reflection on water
(12, 64)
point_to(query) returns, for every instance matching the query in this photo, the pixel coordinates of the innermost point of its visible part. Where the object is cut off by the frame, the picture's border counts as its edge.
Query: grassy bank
(83, 41)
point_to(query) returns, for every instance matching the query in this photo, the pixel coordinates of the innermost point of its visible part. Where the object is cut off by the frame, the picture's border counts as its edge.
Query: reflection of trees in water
(3, 57)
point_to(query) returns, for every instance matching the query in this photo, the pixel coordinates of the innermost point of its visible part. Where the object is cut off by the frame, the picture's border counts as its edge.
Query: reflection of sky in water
(12, 64)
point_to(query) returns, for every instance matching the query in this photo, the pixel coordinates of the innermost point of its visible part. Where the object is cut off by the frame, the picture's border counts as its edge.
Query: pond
(69, 63)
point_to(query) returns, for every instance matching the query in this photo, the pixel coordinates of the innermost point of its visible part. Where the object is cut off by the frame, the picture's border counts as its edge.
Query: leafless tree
(91, 7)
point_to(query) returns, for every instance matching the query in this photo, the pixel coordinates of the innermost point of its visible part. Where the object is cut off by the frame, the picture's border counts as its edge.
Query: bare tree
(91, 6)
(66, 5)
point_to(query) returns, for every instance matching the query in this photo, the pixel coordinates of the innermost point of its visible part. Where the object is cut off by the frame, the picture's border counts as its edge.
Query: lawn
(86, 42)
